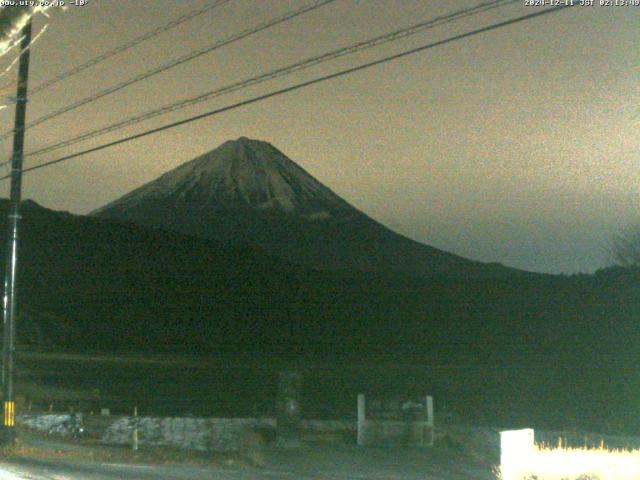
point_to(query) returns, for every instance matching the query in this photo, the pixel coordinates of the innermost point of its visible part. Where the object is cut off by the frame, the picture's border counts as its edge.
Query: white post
(430, 421)
(135, 429)
(361, 418)
(516, 450)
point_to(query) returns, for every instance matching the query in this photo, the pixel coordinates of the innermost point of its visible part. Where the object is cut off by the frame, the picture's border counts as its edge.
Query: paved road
(48, 470)
(320, 463)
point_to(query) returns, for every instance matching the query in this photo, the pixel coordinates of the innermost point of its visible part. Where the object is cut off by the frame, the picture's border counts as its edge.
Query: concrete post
(516, 449)
(288, 409)
(430, 420)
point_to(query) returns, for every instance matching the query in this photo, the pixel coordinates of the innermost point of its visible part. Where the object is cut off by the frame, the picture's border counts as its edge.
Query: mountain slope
(97, 284)
(248, 190)
(116, 286)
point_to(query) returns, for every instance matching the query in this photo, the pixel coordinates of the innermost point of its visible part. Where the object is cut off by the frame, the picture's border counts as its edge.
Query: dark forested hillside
(92, 284)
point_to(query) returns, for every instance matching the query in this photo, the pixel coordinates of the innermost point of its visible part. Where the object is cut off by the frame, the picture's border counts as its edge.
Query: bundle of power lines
(243, 83)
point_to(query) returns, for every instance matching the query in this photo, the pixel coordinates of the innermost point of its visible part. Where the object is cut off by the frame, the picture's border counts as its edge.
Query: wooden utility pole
(9, 299)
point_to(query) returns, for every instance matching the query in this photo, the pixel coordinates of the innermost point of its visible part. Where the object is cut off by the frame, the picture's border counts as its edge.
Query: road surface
(307, 463)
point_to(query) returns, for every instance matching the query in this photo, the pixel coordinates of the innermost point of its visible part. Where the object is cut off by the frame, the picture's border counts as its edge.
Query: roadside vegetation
(563, 463)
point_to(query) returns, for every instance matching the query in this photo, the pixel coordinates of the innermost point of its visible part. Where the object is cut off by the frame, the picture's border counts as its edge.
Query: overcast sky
(519, 146)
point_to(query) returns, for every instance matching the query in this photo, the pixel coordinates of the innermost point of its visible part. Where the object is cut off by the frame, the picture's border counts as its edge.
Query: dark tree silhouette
(625, 249)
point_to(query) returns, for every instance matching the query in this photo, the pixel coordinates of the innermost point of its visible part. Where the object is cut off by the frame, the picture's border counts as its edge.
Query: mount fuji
(249, 191)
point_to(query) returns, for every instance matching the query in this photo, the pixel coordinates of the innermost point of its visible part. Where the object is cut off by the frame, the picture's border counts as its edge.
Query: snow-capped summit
(239, 174)
(248, 190)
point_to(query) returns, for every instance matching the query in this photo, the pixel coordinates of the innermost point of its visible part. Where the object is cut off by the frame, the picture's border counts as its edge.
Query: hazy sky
(520, 145)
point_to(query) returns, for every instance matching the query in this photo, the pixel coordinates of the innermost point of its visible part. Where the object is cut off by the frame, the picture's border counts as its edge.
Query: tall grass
(562, 463)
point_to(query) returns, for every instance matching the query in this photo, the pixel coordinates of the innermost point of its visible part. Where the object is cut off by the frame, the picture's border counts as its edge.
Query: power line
(297, 86)
(122, 48)
(174, 63)
(301, 65)
(127, 46)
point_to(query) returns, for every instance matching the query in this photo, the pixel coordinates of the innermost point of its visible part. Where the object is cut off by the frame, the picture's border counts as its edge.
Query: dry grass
(561, 463)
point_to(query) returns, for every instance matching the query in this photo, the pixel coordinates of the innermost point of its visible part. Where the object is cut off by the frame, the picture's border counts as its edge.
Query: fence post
(288, 408)
(361, 418)
(430, 420)
(135, 429)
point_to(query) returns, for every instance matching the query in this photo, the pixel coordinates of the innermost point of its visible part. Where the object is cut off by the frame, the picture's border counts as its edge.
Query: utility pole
(9, 299)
